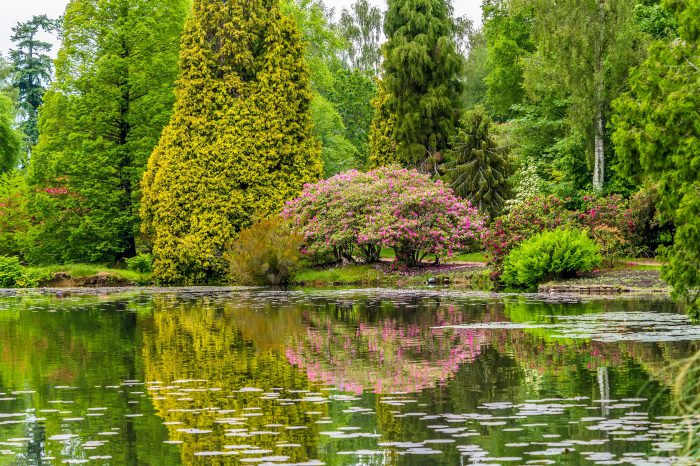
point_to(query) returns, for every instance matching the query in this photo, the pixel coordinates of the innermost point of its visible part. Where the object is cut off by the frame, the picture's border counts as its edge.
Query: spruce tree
(477, 168)
(422, 77)
(240, 142)
(101, 118)
(32, 64)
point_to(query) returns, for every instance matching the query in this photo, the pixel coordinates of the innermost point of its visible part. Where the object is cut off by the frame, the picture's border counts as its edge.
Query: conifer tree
(239, 143)
(657, 136)
(422, 77)
(477, 167)
(101, 118)
(32, 64)
(382, 146)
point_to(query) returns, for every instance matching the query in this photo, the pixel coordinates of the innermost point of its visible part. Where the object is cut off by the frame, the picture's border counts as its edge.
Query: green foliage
(477, 168)
(341, 110)
(10, 272)
(142, 263)
(100, 120)
(14, 216)
(584, 51)
(475, 71)
(13, 275)
(547, 153)
(361, 27)
(657, 135)
(550, 255)
(32, 69)
(322, 43)
(382, 144)
(421, 74)
(10, 138)
(240, 142)
(267, 253)
(655, 20)
(352, 97)
(508, 35)
(337, 153)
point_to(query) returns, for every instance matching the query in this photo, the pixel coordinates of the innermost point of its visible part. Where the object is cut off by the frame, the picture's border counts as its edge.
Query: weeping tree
(240, 142)
(422, 70)
(585, 50)
(361, 27)
(477, 168)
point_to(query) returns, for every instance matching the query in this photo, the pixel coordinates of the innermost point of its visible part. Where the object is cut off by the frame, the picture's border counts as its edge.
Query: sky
(13, 11)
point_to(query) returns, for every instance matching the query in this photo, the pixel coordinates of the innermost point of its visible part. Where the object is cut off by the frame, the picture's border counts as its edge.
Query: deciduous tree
(100, 120)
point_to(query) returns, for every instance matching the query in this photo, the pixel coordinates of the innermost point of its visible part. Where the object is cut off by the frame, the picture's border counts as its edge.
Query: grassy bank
(88, 275)
(385, 275)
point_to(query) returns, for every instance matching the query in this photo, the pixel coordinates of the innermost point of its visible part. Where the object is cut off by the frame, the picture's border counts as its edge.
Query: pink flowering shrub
(615, 223)
(357, 214)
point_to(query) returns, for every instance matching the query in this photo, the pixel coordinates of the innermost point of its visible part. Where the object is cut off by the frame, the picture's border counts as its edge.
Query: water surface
(353, 377)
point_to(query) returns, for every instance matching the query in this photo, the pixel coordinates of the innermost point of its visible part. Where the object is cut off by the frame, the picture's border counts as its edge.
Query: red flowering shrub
(356, 213)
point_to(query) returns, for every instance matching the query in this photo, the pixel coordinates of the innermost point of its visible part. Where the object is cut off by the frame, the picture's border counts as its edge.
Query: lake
(345, 377)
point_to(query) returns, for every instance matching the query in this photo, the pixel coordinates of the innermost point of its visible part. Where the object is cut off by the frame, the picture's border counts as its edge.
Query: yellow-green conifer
(382, 145)
(240, 141)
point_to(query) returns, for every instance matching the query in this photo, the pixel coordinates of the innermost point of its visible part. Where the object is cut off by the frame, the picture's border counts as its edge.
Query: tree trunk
(599, 137)
(599, 162)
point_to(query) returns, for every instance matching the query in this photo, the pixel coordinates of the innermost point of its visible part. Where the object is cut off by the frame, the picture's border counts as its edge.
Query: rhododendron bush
(355, 214)
(618, 225)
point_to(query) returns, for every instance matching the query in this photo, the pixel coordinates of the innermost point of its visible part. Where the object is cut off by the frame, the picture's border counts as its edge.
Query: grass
(343, 275)
(466, 257)
(89, 270)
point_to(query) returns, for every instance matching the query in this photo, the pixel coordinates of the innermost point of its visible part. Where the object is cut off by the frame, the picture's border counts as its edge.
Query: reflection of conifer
(240, 141)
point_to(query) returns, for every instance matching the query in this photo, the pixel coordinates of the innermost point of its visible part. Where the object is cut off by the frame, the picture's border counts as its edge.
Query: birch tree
(585, 48)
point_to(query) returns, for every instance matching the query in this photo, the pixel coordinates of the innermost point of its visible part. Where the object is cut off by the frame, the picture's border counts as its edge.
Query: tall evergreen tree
(477, 168)
(422, 77)
(657, 134)
(240, 142)
(32, 64)
(101, 118)
(361, 26)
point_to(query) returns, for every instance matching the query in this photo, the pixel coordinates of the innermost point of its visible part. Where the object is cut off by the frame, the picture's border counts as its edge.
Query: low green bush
(14, 275)
(142, 263)
(550, 255)
(11, 272)
(267, 253)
